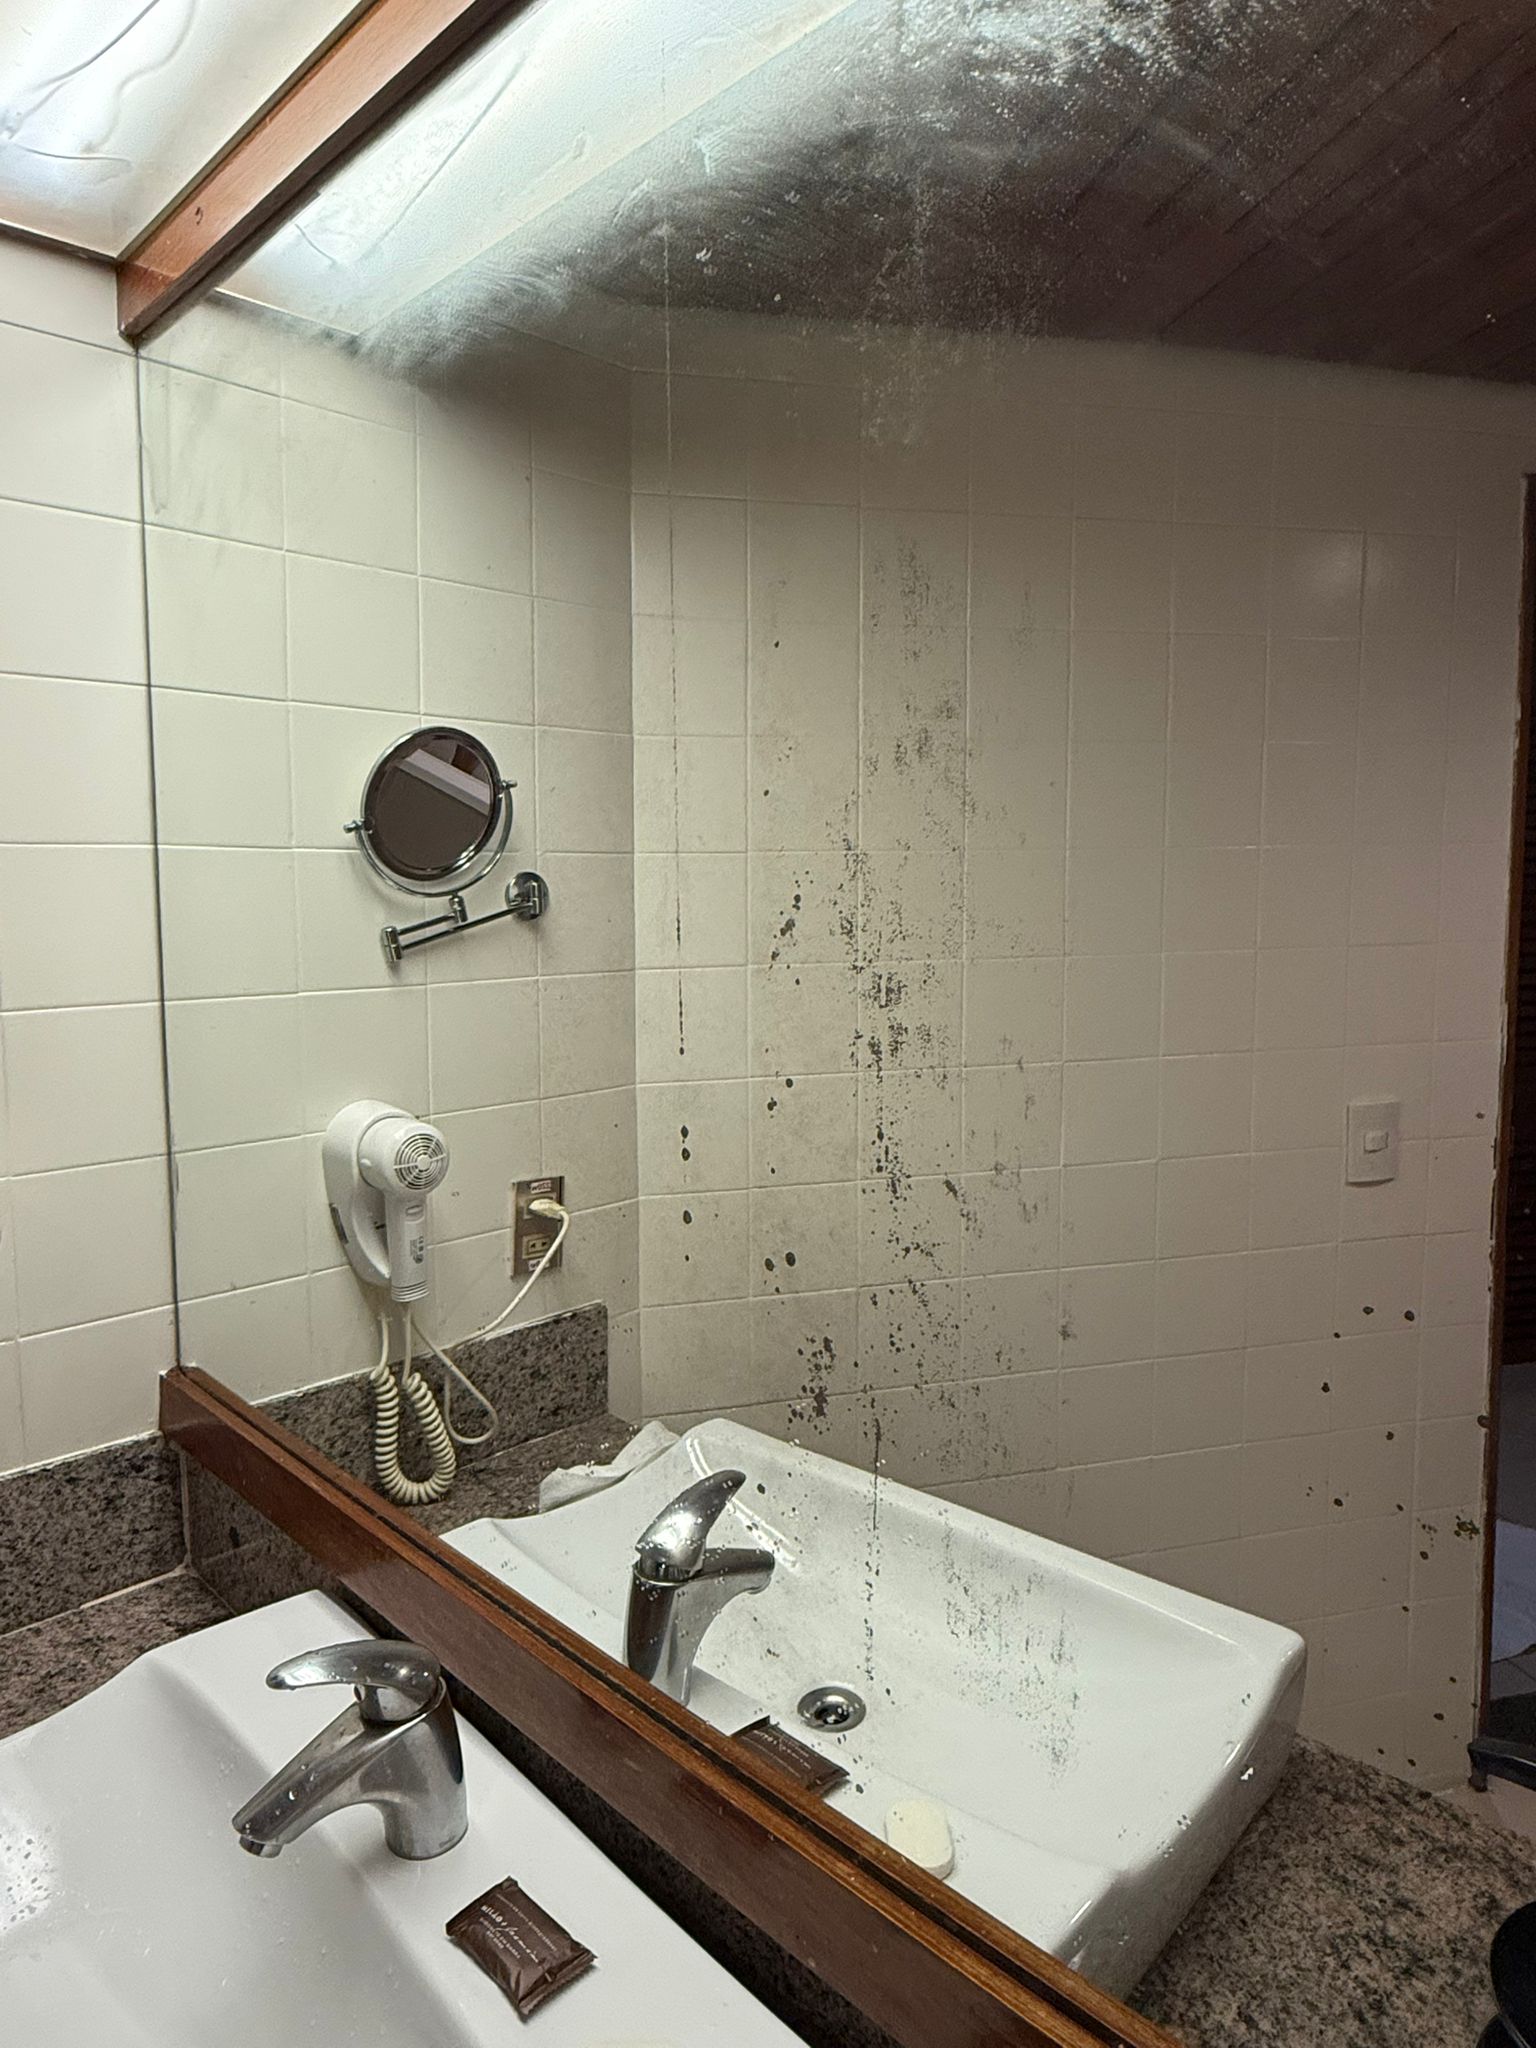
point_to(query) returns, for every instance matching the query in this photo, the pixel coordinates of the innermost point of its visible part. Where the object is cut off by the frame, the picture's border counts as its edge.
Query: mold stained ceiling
(1341, 179)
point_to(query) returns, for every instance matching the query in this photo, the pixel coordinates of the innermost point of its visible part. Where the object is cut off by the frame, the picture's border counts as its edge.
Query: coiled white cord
(436, 1423)
(387, 1390)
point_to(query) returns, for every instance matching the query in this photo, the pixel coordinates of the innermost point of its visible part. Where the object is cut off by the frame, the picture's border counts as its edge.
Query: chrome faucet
(678, 1586)
(396, 1747)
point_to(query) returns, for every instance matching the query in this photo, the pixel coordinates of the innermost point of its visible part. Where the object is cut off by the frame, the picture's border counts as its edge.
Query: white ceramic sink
(1100, 1740)
(130, 1918)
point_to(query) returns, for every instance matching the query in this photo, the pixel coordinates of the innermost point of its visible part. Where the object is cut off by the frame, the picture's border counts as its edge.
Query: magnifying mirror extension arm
(527, 898)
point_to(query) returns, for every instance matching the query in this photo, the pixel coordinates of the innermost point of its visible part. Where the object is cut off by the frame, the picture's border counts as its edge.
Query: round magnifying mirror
(436, 813)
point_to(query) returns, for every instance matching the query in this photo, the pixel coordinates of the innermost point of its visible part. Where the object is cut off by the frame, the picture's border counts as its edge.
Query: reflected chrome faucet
(396, 1747)
(678, 1586)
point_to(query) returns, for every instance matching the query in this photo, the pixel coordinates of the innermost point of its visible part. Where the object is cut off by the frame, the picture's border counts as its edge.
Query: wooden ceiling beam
(392, 50)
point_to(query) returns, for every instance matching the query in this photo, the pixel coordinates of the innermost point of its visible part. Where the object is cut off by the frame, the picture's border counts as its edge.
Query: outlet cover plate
(531, 1234)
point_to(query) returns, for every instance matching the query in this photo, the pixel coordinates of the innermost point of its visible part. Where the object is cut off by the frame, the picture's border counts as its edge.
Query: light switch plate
(1371, 1139)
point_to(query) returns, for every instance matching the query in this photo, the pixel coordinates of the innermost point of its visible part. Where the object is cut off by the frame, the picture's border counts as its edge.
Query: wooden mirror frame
(924, 1964)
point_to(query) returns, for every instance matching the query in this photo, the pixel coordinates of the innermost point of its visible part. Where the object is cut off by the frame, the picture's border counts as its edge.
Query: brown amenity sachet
(519, 1947)
(807, 1766)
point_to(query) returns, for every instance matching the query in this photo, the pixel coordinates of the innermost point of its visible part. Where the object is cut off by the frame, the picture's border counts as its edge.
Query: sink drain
(833, 1707)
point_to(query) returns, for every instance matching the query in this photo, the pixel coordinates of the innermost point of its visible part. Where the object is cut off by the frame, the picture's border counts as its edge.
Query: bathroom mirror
(436, 814)
(995, 624)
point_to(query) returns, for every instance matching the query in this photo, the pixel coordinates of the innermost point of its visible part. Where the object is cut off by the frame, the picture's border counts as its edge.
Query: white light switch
(1371, 1140)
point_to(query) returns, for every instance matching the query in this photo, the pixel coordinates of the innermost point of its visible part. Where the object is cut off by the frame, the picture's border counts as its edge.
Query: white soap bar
(919, 1828)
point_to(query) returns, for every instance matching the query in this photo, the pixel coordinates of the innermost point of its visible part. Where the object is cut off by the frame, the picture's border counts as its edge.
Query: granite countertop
(1356, 1912)
(45, 1666)
(508, 1484)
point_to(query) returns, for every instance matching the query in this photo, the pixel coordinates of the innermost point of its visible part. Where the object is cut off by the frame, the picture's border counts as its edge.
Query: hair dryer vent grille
(421, 1160)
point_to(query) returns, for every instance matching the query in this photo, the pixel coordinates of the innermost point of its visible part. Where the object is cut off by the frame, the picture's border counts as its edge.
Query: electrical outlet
(531, 1234)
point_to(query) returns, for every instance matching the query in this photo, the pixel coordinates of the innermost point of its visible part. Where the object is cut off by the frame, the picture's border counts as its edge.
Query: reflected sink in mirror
(130, 1917)
(1099, 1740)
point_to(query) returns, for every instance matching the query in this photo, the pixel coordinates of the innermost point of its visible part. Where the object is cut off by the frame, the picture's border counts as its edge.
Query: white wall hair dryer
(380, 1167)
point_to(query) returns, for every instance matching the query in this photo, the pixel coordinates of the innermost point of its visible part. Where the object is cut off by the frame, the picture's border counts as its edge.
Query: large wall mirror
(740, 470)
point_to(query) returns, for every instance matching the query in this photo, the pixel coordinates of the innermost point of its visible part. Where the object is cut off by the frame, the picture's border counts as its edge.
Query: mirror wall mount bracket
(527, 898)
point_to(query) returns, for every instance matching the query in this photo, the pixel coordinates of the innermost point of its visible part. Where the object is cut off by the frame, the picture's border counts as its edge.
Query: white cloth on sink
(574, 1482)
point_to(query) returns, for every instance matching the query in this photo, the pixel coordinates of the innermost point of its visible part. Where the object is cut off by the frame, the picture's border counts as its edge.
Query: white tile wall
(1117, 800)
(382, 556)
(85, 1322)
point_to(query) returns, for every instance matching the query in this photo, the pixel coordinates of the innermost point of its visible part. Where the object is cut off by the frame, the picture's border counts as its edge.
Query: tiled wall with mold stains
(1065, 776)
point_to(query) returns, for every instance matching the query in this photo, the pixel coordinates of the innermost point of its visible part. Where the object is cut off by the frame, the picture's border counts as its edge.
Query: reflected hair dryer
(380, 1167)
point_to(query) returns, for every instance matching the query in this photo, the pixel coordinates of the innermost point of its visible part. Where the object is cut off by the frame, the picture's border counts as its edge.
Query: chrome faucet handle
(393, 1681)
(672, 1548)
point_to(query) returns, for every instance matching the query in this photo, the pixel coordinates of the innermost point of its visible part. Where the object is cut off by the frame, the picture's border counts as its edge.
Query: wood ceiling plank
(1457, 307)
(391, 51)
(1434, 115)
(1110, 233)
(1339, 282)
(1404, 296)
(1047, 206)
(1456, 293)
(1338, 178)
(1276, 247)
(1519, 368)
(1491, 347)
(1214, 221)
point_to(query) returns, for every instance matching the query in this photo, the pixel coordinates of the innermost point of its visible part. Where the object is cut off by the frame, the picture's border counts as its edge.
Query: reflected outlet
(531, 1234)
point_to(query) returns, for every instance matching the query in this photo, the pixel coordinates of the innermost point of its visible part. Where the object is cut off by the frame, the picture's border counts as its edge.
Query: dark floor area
(1511, 1708)
(1516, 1499)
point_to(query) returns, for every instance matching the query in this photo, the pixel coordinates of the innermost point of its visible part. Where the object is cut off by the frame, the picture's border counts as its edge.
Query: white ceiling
(109, 108)
(568, 104)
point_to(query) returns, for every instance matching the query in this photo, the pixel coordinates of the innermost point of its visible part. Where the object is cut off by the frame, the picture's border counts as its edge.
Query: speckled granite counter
(45, 1666)
(249, 1562)
(1355, 1913)
(509, 1484)
(97, 1547)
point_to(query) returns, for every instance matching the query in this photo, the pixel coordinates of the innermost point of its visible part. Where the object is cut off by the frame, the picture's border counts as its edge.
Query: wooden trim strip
(926, 1965)
(393, 49)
